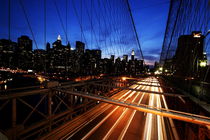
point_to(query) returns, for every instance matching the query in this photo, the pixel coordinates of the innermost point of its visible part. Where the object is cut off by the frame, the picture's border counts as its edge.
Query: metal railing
(183, 116)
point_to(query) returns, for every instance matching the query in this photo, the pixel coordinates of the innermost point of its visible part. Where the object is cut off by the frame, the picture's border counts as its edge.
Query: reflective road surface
(115, 122)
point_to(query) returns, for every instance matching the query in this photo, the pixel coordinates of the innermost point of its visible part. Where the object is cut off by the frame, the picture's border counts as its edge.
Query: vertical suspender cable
(9, 24)
(28, 23)
(81, 16)
(60, 18)
(173, 31)
(91, 15)
(167, 26)
(9, 19)
(45, 36)
(66, 22)
(129, 9)
(79, 21)
(45, 23)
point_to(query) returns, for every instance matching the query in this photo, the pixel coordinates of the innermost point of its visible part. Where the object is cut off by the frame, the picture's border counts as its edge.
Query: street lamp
(161, 68)
(204, 54)
(203, 63)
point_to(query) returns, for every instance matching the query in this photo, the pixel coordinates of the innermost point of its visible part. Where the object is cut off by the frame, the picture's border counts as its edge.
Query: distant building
(59, 60)
(39, 60)
(8, 57)
(125, 64)
(24, 52)
(48, 47)
(80, 47)
(125, 58)
(57, 44)
(59, 56)
(139, 66)
(112, 58)
(132, 65)
(24, 44)
(156, 65)
(118, 66)
(132, 55)
(188, 54)
(91, 61)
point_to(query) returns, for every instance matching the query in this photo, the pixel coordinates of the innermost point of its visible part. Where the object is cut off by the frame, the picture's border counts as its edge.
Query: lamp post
(203, 63)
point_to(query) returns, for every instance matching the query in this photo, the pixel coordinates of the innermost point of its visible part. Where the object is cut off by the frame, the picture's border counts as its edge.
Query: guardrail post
(50, 109)
(14, 118)
(203, 133)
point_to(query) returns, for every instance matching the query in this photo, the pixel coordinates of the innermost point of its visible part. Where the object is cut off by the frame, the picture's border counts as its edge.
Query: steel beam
(146, 91)
(21, 94)
(137, 83)
(183, 116)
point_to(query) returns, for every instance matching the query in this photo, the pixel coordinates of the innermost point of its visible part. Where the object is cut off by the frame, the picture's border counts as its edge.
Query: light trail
(159, 120)
(170, 120)
(156, 126)
(119, 119)
(130, 119)
(102, 121)
(155, 100)
(101, 111)
(149, 118)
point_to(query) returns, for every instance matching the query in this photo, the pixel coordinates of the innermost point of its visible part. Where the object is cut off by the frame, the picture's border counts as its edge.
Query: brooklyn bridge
(92, 69)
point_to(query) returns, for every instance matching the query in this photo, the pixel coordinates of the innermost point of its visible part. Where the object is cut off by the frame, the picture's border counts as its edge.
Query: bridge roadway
(107, 121)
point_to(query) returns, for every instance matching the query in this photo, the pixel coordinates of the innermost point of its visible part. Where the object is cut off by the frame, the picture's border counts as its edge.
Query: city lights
(196, 35)
(41, 79)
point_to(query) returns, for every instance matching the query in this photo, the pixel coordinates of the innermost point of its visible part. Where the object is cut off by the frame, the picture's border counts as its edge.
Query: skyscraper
(188, 54)
(24, 44)
(24, 52)
(48, 47)
(60, 55)
(7, 53)
(80, 47)
(125, 58)
(132, 55)
(58, 43)
(112, 58)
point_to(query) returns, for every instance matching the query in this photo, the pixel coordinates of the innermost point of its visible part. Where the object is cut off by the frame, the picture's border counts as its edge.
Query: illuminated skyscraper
(58, 42)
(132, 55)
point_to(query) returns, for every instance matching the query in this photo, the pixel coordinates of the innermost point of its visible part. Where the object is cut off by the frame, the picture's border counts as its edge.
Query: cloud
(152, 54)
(155, 50)
(156, 35)
(151, 57)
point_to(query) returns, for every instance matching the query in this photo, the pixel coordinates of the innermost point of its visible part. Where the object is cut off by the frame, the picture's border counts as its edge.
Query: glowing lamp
(123, 78)
(203, 63)
(161, 68)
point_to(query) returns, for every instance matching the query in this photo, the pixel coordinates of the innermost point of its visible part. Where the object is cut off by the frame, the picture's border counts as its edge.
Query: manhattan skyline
(150, 36)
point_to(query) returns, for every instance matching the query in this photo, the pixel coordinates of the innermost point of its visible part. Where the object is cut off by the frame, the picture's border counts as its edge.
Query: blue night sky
(150, 18)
